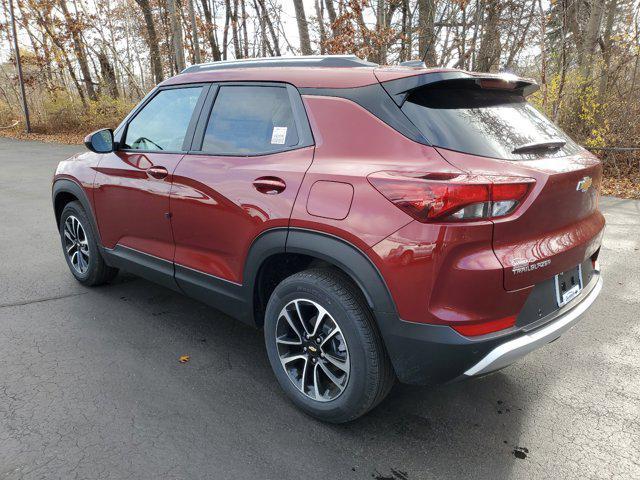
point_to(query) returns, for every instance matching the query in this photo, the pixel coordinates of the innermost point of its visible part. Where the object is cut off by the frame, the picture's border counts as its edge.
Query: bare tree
(79, 50)
(303, 28)
(245, 43)
(176, 35)
(319, 6)
(211, 31)
(489, 52)
(108, 75)
(152, 40)
(426, 32)
(234, 30)
(194, 33)
(272, 30)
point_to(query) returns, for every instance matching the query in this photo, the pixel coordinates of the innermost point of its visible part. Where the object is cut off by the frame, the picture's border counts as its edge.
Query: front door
(256, 147)
(133, 183)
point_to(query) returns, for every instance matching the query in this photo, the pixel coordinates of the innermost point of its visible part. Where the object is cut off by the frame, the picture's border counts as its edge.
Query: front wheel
(324, 347)
(80, 247)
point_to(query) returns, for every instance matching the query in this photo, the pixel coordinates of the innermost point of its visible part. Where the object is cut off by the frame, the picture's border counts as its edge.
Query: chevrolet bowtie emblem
(584, 184)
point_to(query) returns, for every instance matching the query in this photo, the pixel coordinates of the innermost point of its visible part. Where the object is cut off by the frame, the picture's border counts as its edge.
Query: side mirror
(100, 141)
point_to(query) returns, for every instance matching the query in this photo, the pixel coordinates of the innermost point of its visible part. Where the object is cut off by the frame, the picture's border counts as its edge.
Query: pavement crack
(40, 300)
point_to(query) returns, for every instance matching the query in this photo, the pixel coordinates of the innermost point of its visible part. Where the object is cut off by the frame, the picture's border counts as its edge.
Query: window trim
(305, 135)
(121, 131)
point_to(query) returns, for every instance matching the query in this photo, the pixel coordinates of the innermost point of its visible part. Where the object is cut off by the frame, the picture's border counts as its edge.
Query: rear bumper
(433, 354)
(510, 351)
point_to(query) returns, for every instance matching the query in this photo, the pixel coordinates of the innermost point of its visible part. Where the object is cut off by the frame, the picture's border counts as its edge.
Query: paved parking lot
(91, 386)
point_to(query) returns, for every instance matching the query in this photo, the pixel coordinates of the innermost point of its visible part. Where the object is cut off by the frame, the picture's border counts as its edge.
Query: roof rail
(302, 61)
(413, 63)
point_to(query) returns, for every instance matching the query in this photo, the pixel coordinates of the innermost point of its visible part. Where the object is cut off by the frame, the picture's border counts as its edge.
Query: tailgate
(483, 125)
(557, 227)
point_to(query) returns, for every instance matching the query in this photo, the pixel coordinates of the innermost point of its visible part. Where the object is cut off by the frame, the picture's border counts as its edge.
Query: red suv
(377, 222)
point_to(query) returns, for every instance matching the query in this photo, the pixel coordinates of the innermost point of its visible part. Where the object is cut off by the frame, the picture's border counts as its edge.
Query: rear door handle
(157, 172)
(269, 185)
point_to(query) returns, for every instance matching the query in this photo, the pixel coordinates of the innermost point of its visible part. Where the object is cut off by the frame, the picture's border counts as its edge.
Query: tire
(80, 247)
(365, 375)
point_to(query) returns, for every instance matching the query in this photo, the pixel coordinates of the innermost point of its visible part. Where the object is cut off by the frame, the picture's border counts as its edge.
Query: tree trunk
(543, 55)
(520, 35)
(606, 44)
(405, 45)
(426, 31)
(234, 30)
(245, 44)
(176, 35)
(272, 31)
(489, 52)
(323, 34)
(266, 46)
(46, 24)
(194, 34)
(78, 48)
(225, 34)
(563, 61)
(303, 28)
(108, 75)
(152, 40)
(211, 33)
(331, 11)
(590, 38)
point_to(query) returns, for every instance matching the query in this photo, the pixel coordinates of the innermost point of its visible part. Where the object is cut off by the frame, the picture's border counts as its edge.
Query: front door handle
(157, 172)
(269, 185)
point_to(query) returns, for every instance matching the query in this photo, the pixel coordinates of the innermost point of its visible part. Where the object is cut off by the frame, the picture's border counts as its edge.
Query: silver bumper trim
(509, 352)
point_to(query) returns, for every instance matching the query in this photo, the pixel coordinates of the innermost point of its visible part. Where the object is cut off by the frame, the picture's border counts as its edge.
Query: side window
(163, 122)
(248, 120)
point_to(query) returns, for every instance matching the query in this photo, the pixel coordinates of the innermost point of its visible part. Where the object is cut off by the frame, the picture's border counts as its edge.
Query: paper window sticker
(279, 135)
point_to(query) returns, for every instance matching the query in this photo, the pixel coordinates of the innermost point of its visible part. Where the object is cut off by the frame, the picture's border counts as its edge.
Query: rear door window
(490, 123)
(162, 123)
(250, 120)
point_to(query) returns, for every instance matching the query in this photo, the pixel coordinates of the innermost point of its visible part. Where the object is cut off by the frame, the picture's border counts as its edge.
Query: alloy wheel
(76, 244)
(312, 350)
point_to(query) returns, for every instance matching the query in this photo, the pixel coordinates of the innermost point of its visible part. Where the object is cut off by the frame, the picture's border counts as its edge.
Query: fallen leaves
(625, 187)
(184, 358)
(65, 138)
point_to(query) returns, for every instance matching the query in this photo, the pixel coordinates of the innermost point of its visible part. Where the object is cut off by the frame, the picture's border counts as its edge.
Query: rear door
(253, 148)
(489, 130)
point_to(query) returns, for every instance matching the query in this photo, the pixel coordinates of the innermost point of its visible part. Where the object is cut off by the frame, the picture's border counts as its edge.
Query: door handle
(269, 185)
(157, 172)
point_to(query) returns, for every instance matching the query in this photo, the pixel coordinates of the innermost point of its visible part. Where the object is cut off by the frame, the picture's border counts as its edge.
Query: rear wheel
(80, 247)
(324, 347)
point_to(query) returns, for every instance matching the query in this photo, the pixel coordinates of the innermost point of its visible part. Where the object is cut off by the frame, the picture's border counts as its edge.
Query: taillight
(476, 329)
(446, 197)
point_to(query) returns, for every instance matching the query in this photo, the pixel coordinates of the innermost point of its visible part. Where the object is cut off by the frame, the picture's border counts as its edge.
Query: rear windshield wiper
(545, 145)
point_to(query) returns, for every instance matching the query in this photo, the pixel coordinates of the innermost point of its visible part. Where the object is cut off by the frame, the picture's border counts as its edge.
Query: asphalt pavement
(91, 386)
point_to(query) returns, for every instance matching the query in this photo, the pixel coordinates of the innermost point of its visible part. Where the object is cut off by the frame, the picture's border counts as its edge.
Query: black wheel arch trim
(71, 187)
(323, 246)
(349, 258)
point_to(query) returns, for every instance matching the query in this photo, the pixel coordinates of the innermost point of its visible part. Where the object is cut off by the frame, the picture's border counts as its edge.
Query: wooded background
(86, 62)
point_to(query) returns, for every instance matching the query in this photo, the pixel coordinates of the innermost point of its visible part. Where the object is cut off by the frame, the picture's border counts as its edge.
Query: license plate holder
(568, 285)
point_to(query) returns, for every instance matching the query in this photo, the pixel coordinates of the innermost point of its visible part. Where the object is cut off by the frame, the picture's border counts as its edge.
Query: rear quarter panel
(351, 143)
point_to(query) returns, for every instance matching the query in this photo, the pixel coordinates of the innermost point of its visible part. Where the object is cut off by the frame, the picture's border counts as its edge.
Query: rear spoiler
(400, 88)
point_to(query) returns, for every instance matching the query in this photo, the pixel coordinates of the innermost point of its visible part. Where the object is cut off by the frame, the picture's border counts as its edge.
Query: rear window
(250, 120)
(490, 123)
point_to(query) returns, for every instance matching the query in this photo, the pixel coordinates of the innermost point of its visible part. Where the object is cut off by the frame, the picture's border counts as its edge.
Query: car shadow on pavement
(464, 429)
